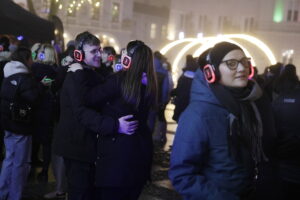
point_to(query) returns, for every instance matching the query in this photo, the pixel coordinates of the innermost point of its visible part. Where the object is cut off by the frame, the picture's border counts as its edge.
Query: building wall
(267, 20)
(135, 20)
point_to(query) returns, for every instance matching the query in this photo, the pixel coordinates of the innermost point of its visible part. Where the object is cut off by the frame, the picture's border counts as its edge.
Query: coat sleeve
(91, 119)
(188, 158)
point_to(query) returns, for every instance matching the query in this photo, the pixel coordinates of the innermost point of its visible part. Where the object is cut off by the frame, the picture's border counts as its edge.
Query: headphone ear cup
(41, 55)
(1, 48)
(33, 55)
(126, 61)
(209, 73)
(251, 75)
(111, 58)
(78, 55)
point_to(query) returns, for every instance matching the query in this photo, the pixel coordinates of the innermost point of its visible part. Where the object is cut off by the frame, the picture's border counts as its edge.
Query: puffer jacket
(17, 83)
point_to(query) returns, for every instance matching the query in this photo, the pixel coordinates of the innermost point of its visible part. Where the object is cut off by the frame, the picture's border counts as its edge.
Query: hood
(14, 67)
(5, 56)
(200, 90)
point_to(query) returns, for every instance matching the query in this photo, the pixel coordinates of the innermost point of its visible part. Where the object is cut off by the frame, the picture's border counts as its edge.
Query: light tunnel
(208, 42)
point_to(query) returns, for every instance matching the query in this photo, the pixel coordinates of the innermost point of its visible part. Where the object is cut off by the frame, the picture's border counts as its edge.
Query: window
(289, 15)
(295, 18)
(164, 32)
(115, 12)
(293, 11)
(153, 31)
(96, 9)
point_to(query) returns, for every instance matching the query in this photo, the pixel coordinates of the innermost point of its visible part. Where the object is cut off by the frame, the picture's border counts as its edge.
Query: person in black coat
(4, 58)
(286, 110)
(123, 162)
(44, 68)
(182, 92)
(76, 135)
(19, 94)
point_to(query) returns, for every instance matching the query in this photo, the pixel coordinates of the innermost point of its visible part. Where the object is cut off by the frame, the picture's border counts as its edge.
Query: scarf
(246, 129)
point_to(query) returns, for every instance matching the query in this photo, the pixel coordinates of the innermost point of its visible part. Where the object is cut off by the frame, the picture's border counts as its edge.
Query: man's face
(92, 55)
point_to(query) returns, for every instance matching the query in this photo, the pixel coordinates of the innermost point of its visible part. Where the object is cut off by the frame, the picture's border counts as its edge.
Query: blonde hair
(46, 55)
(34, 51)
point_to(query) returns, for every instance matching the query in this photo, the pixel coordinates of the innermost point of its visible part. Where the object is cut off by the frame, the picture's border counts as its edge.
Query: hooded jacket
(201, 167)
(17, 82)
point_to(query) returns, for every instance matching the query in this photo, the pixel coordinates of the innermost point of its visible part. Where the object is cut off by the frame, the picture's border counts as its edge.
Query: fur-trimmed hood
(14, 67)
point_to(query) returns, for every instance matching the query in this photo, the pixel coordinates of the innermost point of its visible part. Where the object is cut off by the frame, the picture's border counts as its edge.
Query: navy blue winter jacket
(201, 167)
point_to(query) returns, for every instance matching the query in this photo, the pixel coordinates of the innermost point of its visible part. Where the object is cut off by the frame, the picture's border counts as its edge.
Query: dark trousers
(118, 193)
(80, 178)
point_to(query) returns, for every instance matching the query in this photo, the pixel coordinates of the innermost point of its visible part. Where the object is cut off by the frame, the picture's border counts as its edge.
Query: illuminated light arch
(257, 43)
(167, 47)
(211, 43)
(186, 49)
(250, 39)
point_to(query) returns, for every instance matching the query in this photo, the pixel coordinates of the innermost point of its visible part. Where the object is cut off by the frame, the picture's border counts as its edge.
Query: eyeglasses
(232, 64)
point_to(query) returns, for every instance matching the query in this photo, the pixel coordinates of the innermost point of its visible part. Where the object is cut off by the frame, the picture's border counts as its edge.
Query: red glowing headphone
(210, 74)
(126, 59)
(79, 53)
(111, 58)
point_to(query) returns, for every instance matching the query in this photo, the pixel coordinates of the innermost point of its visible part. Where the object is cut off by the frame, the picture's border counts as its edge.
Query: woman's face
(234, 69)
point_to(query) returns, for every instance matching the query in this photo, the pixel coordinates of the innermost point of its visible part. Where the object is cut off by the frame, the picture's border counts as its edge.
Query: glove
(66, 61)
(74, 67)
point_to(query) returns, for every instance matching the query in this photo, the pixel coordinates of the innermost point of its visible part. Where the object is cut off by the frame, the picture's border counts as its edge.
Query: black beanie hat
(219, 51)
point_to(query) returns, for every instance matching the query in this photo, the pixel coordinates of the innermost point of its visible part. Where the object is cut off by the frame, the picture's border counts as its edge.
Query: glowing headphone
(211, 75)
(79, 53)
(126, 59)
(1, 47)
(111, 58)
(35, 53)
(41, 54)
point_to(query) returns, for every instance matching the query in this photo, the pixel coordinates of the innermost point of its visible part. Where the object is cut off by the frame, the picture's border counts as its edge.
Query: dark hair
(202, 60)
(190, 64)
(110, 50)
(158, 55)
(141, 61)
(287, 80)
(4, 42)
(86, 38)
(22, 54)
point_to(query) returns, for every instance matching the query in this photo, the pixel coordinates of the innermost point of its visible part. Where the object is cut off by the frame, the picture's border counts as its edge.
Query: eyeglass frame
(247, 63)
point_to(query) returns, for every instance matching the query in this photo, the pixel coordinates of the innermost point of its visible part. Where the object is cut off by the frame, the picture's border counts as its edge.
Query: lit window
(153, 31)
(96, 9)
(115, 12)
(164, 32)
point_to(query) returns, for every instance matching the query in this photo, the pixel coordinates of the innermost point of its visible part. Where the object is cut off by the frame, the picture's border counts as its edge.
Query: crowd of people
(95, 115)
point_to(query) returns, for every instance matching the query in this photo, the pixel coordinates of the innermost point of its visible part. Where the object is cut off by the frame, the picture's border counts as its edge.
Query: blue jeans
(15, 166)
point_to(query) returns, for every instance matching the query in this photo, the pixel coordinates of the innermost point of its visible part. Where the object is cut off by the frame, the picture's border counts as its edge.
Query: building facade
(275, 22)
(115, 22)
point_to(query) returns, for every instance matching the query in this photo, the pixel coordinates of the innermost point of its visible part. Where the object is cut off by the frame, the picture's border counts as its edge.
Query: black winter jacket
(78, 125)
(19, 83)
(122, 160)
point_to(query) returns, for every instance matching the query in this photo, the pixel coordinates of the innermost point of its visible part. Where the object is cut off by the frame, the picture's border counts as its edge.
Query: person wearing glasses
(79, 126)
(219, 150)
